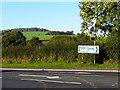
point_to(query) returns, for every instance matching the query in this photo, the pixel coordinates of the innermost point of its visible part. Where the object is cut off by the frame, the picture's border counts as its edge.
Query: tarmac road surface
(58, 79)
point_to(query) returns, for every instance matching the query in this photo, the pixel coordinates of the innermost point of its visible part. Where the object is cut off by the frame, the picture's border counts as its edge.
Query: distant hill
(49, 32)
(25, 30)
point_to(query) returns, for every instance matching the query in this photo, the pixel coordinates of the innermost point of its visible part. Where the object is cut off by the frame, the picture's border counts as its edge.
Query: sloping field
(33, 33)
(41, 35)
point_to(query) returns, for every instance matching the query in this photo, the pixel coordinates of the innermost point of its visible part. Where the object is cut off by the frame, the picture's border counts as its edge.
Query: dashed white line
(82, 73)
(50, 77)
(92, 75)
(61, 72)
(53, 77)
(52, 81)
(70, 72)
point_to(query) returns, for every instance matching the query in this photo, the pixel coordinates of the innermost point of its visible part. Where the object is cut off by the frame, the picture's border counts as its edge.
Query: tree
(104, 15)
(112, 46)
(35, 41)
(13, 38)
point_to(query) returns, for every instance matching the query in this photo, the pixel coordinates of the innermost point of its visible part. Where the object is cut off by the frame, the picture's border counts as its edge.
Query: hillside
(46, 31)
(25, 30)
(41, 35)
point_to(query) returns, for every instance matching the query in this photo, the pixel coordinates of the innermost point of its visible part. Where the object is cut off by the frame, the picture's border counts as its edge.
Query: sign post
(88, 49)
(94, 44)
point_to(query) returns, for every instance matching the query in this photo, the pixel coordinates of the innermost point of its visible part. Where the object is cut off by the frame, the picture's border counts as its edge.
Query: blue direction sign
(88, 49)
(82, 49)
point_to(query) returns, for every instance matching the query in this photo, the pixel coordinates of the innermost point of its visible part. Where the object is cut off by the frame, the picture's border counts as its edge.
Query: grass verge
(61, 65)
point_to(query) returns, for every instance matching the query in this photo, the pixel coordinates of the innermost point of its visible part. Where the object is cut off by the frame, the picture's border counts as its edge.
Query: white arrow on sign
(88, 49)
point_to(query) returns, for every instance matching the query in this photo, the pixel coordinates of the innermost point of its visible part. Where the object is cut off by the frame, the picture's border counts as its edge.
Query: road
(58, 79)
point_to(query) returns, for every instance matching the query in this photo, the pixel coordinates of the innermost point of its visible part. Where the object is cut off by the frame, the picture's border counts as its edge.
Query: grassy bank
(61, 65)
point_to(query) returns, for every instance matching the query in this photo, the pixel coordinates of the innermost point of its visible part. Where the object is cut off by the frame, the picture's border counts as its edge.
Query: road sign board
(88, 49)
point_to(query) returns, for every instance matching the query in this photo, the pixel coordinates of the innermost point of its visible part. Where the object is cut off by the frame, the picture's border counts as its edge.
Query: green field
(61, 65)
(33, 33)
(41, 35)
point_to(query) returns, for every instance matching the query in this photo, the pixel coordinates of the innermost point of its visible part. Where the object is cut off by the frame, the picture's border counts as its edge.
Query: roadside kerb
(90, 70)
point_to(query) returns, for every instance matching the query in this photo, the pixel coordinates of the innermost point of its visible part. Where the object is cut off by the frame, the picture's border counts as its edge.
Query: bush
(13, 38)
(63, 48)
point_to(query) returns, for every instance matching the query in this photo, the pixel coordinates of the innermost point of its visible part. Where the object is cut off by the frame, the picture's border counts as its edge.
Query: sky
(58, 16)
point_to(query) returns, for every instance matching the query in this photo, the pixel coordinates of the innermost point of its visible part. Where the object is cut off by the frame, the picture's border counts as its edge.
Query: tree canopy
(13, 38)
(103, 15)
(35, 41)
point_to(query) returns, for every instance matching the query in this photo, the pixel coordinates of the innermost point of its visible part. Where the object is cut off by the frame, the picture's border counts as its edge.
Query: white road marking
(82, 73)
(61, 72)
(92, 75)
(50, 77)
(53, 77)
(92, 70)
(71, 72)
(52, 81)
(113, 85)
(0, 77)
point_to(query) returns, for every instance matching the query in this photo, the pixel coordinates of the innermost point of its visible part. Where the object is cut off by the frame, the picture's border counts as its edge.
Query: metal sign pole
(94, 54)
(82, 57)
(94, 43)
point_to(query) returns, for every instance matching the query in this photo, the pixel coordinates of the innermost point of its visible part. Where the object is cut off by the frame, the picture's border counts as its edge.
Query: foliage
(14, 38)
(35, 41)
(63, 49)
(104, 15)
(112, 46)
(60, 33)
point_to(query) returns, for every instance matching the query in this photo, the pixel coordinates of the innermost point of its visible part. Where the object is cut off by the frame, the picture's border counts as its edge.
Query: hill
(25, 30)
(46, 31)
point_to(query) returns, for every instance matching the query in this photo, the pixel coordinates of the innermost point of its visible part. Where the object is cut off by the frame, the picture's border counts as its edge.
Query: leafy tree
(84, 39)
(104, 15)
(13, 38)
(35, 41)
(112, 46)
